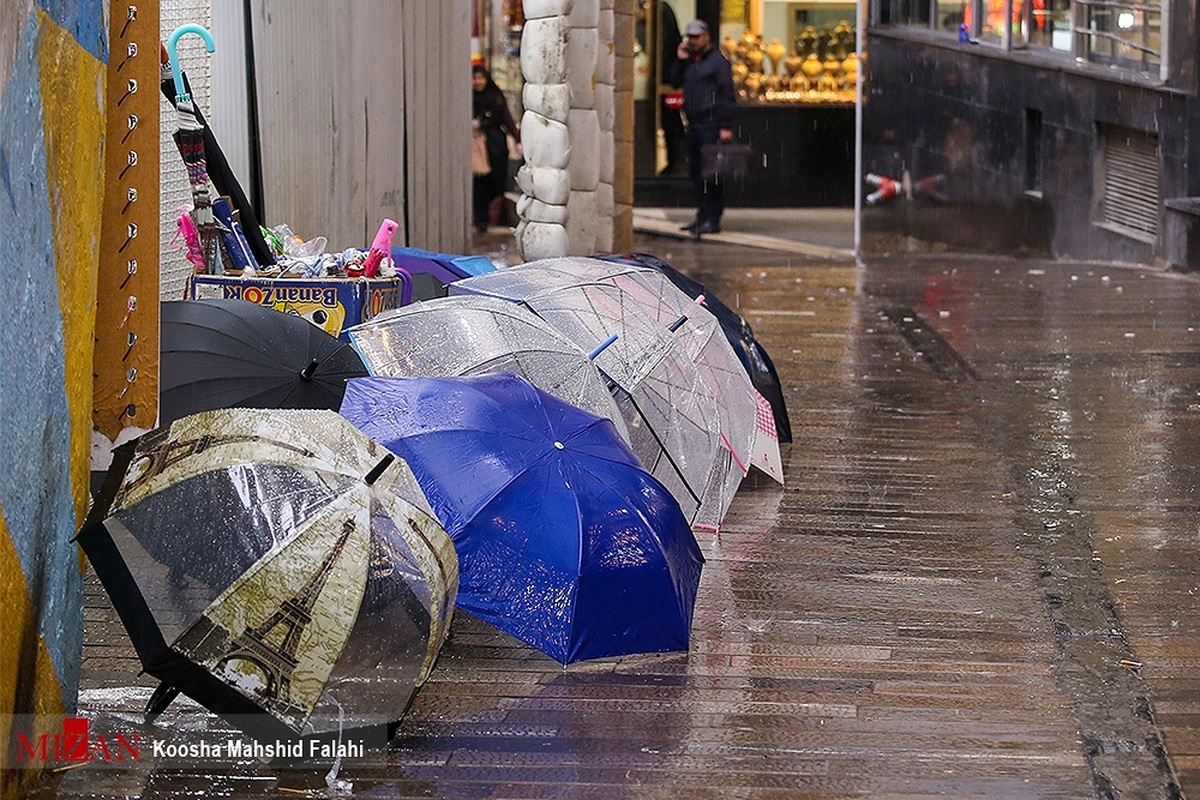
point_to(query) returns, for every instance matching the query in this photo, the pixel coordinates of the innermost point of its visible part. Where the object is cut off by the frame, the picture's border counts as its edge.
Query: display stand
(125, 359)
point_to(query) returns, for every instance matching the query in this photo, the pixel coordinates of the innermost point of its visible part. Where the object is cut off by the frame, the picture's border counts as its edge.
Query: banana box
(332, 304)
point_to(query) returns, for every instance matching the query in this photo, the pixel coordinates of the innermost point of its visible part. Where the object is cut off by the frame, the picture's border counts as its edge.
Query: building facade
(1057, 127)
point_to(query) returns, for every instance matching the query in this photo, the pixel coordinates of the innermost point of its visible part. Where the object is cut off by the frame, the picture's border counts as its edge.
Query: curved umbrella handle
(173, 54)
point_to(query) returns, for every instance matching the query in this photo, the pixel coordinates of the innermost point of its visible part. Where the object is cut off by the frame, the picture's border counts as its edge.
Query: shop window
(953, 13)
(1050, 24)
(798, 53)
(1123, 34)
(1129, 171)
(908, 12)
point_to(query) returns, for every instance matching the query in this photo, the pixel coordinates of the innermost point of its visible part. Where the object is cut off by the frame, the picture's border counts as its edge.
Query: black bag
(726, 162)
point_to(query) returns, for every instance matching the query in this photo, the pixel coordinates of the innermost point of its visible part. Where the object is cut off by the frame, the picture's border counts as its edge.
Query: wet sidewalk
(981, 579)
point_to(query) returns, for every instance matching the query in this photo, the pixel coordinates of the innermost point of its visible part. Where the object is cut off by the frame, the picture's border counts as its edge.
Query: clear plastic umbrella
(701, 335)
(673, 415)
(276, 566)
(468, 335)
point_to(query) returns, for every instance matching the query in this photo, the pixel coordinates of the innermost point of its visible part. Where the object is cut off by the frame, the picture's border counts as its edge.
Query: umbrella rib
(665, 451)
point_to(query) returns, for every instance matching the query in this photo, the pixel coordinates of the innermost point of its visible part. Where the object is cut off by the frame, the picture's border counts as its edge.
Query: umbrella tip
(560, 446)
(307, 373)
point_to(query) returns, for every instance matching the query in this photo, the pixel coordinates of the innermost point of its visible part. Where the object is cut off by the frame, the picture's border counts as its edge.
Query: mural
(52, 66)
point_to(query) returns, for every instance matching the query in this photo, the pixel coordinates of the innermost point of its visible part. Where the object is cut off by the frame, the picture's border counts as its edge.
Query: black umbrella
(752, 354)
(237, 354)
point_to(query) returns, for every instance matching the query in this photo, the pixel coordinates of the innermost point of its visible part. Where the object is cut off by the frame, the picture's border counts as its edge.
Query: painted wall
(52, 59)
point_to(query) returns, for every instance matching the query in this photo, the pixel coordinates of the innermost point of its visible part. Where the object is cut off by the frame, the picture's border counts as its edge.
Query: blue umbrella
(564, 540)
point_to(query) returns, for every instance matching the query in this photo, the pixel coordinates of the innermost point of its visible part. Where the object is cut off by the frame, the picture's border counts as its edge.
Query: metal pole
(859, 34)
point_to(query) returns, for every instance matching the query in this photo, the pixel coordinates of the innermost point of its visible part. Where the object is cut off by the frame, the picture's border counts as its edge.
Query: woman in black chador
(490, 113)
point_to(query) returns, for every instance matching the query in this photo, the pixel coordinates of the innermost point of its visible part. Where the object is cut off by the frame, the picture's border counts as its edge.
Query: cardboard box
(332, 304)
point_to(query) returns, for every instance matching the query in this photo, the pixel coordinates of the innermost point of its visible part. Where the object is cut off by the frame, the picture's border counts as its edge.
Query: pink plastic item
(191, 239)
(380, 247)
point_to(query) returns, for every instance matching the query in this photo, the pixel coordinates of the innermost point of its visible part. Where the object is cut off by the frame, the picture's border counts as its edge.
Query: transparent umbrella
(468, 335)
(699, 332)
(749, 350)
(276, 566)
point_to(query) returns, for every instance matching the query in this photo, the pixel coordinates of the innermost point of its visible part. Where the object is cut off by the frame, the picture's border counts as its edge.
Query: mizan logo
(76, 744)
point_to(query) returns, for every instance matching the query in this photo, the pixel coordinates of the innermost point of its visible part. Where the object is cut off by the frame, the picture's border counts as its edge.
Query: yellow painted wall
(52, 100)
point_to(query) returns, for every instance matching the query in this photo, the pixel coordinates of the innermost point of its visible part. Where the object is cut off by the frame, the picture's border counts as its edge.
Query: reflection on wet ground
(980, 580)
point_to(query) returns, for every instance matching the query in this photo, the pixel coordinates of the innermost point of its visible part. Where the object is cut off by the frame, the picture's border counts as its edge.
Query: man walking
(708, 101)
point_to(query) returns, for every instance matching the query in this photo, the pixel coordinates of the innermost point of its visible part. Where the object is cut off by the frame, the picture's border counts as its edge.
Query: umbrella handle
(600, 347)
(173, 54)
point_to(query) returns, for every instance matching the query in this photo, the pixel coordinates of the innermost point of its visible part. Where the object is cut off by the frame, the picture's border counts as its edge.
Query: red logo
(76, 744)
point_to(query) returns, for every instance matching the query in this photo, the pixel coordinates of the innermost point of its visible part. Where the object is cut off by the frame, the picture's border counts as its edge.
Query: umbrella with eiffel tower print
(276, 566)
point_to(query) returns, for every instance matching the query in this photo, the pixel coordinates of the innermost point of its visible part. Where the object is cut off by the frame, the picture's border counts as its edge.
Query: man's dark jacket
(707, 83)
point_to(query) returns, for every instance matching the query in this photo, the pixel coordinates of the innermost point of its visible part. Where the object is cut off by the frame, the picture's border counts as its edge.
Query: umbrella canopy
(279, 568)
(750, 351)
(469, 335)
(563, 539)
(672, 414)
(238, 354)
(702, 338)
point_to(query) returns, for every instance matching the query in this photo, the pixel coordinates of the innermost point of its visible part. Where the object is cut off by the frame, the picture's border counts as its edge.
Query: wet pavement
(979, 581)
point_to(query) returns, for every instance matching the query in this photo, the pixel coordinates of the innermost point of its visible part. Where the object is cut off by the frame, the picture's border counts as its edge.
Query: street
(980, 579)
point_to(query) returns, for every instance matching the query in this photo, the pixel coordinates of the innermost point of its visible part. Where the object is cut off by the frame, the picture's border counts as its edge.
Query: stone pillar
(576, 183)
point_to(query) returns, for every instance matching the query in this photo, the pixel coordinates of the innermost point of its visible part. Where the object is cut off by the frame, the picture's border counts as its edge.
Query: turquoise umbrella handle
(173, 54)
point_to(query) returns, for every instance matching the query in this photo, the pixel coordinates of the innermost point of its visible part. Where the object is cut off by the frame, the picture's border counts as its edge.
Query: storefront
(496, 44)
(496, 27)
(794, 71)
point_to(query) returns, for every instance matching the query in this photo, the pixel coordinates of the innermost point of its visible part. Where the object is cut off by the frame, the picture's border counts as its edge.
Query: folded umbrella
(564, 540)
(220, 172)
(189, 138)
(278, 567)
(238, 354)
